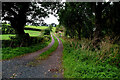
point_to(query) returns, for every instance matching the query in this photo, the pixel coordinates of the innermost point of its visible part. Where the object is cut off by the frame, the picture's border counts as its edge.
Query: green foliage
(49, 51)
(8, 52)
(59, 29)
(73, 18)
(24, 9)
(47, 32)
(7, 29)
(50, 27)
(81, 63)
(90, 20)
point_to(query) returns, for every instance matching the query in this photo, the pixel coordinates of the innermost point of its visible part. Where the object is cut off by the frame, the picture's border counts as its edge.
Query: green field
(9, 52)
(31, 33)
(37, 27)
(6, 36)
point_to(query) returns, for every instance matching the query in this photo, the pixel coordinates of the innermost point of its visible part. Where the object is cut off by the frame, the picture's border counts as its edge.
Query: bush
(61, 29)
(50, 27)
(47, 32)
(6, 29)
(24, 42)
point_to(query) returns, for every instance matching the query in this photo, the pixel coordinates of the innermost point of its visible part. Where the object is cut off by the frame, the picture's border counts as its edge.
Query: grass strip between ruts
(49, 51)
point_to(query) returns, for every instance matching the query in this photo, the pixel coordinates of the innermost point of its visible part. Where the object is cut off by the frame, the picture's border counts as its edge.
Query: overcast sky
(51, 19)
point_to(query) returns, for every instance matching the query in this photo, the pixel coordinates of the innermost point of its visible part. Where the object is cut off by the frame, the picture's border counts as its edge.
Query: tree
(74, 17)
(98, 8)
(17, 13)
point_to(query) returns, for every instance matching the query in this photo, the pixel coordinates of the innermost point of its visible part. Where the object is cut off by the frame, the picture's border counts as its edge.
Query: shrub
(24, 42)
(47, 32)
(6, 29)
(50, 27)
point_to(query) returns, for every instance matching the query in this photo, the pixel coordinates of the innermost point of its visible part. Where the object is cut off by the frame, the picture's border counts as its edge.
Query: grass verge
(8, 52)
(49, 51)
(79, 63)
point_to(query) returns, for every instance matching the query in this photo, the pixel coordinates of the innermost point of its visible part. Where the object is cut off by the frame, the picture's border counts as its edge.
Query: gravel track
(48, 68)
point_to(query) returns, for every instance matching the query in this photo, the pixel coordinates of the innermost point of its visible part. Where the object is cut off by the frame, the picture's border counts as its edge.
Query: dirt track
(48, 68)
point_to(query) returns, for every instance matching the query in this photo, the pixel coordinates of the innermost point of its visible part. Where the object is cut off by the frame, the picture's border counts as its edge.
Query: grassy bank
(80, 63)
(8, 52)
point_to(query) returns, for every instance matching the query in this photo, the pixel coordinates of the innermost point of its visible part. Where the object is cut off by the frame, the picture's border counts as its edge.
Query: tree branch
(105, 5)
(8, 18)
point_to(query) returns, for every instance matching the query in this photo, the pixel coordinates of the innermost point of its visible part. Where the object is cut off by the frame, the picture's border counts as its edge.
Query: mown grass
(37, 27)
(80, 63)
(49, 51)
(6, 36)
(31, 33)
(53, 29)
(8, 52)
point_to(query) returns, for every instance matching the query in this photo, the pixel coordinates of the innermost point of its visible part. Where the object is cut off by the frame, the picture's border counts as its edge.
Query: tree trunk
(18, 25)
(79, 33)
(98, 24)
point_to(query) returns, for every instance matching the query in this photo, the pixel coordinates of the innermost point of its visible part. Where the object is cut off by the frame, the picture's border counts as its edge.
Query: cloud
(51, 19)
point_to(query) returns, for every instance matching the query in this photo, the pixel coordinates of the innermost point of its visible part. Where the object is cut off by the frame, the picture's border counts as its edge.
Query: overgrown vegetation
(79, 61)
(92, 42)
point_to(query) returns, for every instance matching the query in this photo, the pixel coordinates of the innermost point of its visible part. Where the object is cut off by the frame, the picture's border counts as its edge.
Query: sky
(51, 19)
